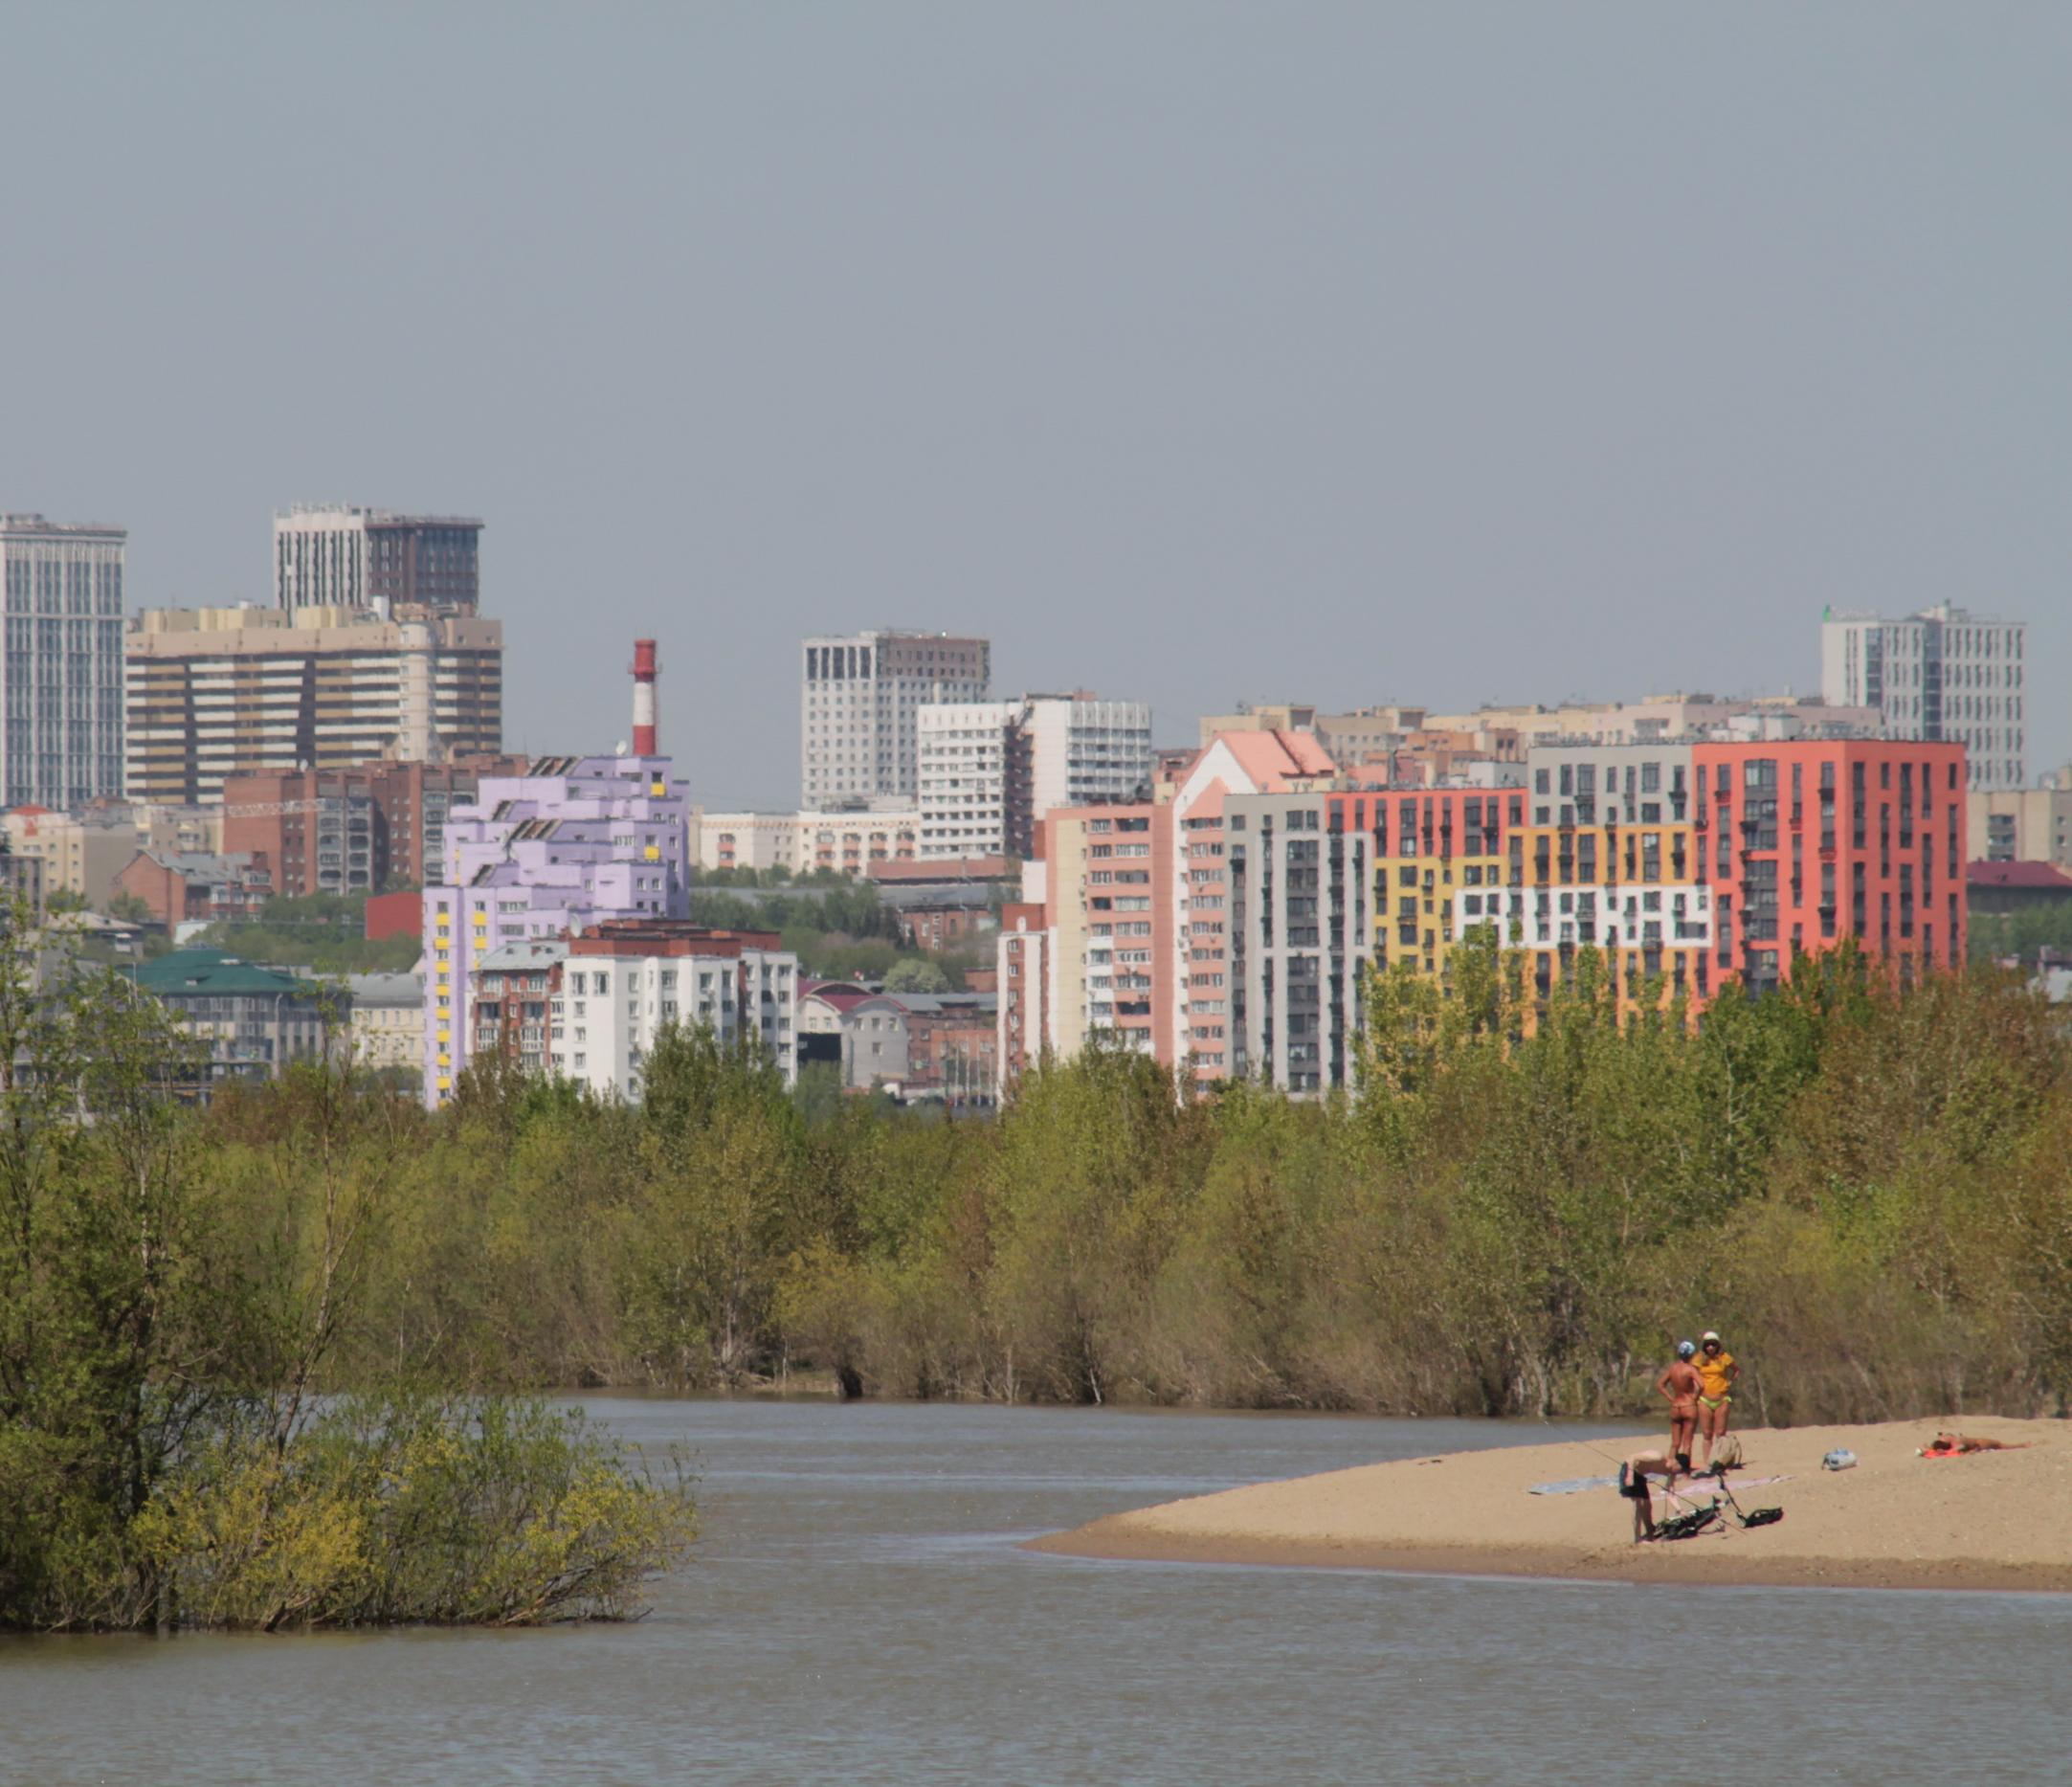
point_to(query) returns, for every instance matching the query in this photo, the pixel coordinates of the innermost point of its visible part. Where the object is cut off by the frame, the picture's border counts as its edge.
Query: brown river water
(860, 1612)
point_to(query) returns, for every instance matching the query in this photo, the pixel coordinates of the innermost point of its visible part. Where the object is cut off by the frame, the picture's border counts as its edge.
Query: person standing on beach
(1716, 1374)
(1681, 1383)
(1633, 1475)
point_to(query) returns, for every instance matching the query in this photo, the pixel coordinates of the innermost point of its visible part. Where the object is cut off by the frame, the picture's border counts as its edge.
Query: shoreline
(1987, 1523)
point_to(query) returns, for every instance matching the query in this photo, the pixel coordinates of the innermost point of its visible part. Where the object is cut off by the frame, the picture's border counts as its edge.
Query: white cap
(1709, 1334)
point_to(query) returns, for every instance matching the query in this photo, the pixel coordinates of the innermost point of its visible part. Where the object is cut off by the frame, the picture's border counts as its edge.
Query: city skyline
(1371, 345)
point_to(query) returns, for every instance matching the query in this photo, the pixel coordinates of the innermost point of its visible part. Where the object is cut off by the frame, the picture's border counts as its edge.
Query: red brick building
(351, 831)
(177, 887)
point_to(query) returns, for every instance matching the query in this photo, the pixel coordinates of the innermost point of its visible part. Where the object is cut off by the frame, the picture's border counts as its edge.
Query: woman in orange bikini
(1716, 1374)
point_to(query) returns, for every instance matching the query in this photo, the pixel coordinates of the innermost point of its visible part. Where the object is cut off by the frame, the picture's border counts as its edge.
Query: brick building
(356, 830)
(179, 886)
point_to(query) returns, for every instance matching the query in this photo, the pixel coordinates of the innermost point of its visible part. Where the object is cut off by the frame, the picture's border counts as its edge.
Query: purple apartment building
(573, 841)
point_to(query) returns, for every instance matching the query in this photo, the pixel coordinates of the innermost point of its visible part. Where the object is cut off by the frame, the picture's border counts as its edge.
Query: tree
(915, 974)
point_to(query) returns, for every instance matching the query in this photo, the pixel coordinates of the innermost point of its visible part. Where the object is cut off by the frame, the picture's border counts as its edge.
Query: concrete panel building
(625, 981)
(1942, 674)
(219, 692)
(858, 694)
(61, 708)
(2024, 825)
(989, 771)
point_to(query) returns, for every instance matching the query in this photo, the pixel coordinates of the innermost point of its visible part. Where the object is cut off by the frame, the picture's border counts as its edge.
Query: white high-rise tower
(1944, 672)
(857, 693)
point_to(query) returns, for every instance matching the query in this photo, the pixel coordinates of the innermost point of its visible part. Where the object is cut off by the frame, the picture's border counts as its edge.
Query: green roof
(197, 972)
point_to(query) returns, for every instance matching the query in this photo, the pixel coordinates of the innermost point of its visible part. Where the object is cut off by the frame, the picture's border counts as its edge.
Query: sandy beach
(1992, 1520)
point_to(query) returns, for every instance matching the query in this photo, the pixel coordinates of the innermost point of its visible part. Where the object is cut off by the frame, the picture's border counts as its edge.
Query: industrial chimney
(644, 698)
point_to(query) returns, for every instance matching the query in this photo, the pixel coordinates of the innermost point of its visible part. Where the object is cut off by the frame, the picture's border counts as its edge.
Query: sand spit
(1995, 1520)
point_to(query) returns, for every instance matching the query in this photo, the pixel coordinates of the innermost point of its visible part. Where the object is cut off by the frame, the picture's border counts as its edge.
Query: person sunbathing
(1957, 1444)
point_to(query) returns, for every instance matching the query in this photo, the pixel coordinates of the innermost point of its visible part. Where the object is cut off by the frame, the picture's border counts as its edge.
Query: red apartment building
(1807, 842)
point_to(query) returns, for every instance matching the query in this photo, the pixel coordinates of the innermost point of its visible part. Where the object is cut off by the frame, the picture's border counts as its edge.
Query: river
(859, 1613)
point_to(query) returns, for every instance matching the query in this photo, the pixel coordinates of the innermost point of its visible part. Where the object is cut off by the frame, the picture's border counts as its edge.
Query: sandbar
(1992, 1520)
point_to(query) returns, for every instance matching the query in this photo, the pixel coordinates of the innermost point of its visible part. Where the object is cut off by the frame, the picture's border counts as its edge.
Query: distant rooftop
(29, 523)
(197, 972)
(374, 518)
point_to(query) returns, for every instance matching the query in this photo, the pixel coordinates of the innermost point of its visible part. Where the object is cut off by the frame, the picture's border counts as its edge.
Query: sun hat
(1709, 1334)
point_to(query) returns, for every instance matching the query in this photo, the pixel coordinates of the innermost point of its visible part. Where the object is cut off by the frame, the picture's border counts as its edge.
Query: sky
(1193, 353)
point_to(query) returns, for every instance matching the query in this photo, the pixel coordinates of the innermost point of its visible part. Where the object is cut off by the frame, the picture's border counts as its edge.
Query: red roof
(2040, 877)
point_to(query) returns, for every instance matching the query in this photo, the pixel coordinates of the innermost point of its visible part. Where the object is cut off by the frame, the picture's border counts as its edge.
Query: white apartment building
(388, 1019)
(858, 694)
(989, 771)
(61, 678)
(626, 981)
(1944, 672)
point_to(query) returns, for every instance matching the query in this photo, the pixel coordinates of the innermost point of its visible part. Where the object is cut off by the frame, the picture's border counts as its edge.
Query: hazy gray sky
(1194, 352)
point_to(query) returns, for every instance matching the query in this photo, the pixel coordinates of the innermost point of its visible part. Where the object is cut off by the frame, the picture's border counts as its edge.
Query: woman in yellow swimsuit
(1716, 1374)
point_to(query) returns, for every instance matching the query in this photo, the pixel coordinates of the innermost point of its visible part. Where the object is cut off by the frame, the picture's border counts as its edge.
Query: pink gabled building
(1270, 762)
(1119, 929)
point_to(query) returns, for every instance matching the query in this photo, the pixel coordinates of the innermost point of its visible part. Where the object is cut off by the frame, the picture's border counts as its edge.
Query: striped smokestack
(644, 698)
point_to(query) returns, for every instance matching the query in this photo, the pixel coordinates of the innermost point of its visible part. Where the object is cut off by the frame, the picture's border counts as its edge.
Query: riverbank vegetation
(252, 1359)
(1865, 1189)
(194, 1431)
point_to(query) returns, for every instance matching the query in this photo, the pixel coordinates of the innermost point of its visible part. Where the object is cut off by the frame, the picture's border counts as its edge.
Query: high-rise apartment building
(1679, 868)
(989, 771)
(573, 841)
(327, 555)
(218, 692)
(1121, 928)
(1944, 672)
(61, 678)
(858, 694)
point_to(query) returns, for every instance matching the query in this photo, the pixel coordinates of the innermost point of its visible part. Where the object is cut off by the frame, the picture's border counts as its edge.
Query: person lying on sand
(1633, 1484)
(1957, 1444)
(1681, 1383)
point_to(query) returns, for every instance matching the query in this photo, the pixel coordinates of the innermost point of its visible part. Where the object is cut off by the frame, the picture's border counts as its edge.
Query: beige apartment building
(2023, 824)
(218, 692)
(79, 856)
